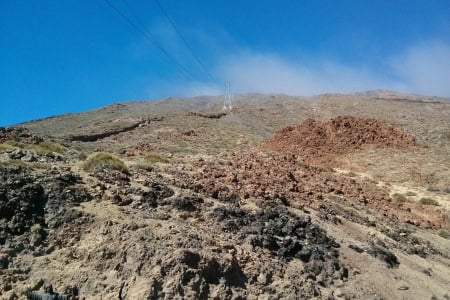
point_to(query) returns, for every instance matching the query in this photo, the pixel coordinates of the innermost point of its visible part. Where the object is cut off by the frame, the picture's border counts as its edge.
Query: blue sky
(59, 56)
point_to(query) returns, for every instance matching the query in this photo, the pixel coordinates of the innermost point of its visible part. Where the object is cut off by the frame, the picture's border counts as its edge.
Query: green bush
(156, 158)
(46, 148)
(10, 144)
(13, 163)
(104, 158)
(43, 148)
(15, 144)
(399, 197)
(5, 147)
(429, 201)
(144, 166)
(23, 164)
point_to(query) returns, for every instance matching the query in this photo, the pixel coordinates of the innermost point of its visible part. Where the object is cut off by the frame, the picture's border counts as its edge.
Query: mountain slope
(181, 200)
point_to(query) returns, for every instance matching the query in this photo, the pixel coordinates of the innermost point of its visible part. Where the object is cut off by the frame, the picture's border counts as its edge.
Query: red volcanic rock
(286, 178)
(317, 141)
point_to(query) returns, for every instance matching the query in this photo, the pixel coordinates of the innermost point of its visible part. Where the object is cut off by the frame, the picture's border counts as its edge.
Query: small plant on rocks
(352, 174)
(399, 197)
(429, 201)
(156, 158)
(5, 147)
(104, 158)
(46, 148)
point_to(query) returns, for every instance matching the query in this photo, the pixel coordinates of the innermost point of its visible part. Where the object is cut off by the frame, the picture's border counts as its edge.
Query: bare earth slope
(325, 197)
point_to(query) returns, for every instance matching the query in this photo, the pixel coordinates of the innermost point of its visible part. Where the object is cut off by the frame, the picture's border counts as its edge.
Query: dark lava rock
(192, 276)
(32, 204)
(190, 258)
(221, 193)
(4, 261)
(356, 248)
(378, 249)
(19, 134)
(410, 243)
(222, 213)
(108, 175)
(121, 200)
(295, 236)
(64, 192)
(187, 203)
(17, 154)
(285, 235)
(232, 218)
(158, 192)
(22, 203)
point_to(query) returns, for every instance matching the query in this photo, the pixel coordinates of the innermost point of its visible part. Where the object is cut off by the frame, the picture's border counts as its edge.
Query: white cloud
(422, 68)
(425, 69)
(269, 73)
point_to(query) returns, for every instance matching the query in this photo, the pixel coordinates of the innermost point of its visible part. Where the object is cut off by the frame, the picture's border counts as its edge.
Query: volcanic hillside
(324, 197)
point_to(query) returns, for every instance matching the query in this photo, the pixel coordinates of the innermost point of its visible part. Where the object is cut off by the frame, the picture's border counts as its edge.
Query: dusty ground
(237, 206)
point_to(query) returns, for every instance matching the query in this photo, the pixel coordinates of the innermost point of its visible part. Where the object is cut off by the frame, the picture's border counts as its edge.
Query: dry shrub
(156, 158)
(399, 197)
(104, 158)
(5, 147)
(428, 201)
(45, 148)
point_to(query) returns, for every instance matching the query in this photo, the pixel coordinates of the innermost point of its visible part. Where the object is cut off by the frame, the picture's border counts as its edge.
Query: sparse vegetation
(8, 145)
(22, 164)
(327, 169)
(352, 174)
(77, 154)
(43, 148)
(36, 228)
(104, 158)
(46, 148)
(411, 194)
(374, 181)
(15, 144)
(428, 201)
(13, 163)
(399, 197)
(144, 166)
(5, 147)
(156, 158)
(444, 233)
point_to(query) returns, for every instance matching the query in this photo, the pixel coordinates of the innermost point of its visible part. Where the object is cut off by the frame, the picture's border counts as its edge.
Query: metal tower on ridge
(228, 101)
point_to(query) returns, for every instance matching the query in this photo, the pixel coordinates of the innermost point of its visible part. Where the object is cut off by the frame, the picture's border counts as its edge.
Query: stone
(29, 157)
(339, 293)
(262, 279)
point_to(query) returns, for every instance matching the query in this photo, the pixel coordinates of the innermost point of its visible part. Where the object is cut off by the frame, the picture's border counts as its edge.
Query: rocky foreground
(275, 221)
